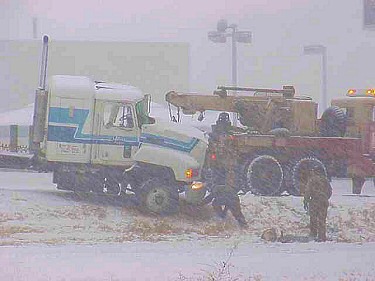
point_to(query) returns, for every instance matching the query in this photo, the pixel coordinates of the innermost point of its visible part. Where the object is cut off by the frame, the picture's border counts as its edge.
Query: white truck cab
(99, 137)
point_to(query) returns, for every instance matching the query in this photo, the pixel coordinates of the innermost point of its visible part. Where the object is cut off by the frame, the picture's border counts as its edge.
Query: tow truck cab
(359, 106)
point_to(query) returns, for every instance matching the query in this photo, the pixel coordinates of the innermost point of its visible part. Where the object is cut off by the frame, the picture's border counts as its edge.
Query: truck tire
(158, 196)
(333, 122)
(111, 187)
(264, 175)
(300, 173)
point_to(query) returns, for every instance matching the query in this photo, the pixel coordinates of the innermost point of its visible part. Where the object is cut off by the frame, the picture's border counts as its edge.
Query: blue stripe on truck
(71, 127)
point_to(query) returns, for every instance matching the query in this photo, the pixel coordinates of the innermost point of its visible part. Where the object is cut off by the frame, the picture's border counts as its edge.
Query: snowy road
(46, 234)
(194, 260)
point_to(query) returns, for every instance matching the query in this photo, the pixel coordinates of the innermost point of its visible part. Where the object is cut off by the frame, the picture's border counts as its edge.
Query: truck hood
(173, 135)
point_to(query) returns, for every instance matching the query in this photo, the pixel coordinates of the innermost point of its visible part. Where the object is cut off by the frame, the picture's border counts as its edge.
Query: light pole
(220, 36)
(320, 50)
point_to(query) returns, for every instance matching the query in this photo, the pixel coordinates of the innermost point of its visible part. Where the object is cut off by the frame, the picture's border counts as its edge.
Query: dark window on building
(369, 13)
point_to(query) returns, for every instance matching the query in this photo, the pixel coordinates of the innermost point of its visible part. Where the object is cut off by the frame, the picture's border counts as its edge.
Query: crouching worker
(316, 202)
(224, 198)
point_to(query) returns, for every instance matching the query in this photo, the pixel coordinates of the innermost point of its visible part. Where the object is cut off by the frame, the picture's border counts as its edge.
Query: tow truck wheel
(159, 197)
(300, 173)
(264, 175)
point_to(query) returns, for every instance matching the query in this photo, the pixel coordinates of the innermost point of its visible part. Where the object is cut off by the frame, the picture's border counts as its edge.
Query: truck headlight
(197, 185)
(195, 192)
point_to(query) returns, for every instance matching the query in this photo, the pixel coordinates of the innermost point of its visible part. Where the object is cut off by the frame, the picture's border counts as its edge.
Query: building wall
(153, 67)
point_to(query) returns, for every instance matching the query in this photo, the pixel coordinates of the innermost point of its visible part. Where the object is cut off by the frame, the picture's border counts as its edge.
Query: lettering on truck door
(119, 133)
(69, 130)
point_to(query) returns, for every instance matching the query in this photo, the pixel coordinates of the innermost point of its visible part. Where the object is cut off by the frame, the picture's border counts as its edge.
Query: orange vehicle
(281, 138)
(359, 108)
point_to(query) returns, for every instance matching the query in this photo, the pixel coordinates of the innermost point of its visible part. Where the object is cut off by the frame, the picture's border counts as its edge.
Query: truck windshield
(142, 113)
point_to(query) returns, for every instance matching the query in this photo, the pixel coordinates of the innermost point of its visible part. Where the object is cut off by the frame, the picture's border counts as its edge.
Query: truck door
(69, 130)
(118, 137)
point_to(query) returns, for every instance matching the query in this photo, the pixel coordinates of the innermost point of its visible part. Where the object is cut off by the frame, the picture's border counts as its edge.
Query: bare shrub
(221, 271)
(8, 217)
(9, 230)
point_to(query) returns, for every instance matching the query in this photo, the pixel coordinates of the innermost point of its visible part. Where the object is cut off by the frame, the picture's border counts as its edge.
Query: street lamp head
(217, 37)
(222, 25)
(314, 49)
(242, 36)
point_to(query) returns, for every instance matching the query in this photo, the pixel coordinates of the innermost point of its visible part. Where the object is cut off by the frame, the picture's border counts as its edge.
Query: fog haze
(274, 58)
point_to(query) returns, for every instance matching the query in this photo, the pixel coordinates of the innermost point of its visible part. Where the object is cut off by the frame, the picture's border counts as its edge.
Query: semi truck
(280, 138)
(98, 137)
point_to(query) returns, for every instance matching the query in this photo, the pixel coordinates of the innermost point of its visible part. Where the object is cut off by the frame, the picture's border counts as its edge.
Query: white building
(155, 68)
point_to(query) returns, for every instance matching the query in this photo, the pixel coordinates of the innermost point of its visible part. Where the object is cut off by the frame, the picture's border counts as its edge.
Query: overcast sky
(280, 30)
(161, 19)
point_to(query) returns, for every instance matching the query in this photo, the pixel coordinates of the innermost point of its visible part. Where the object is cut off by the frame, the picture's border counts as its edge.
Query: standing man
(316, 201)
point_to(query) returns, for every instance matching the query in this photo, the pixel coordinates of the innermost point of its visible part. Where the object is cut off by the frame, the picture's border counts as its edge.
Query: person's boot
(322, 237)
(238, 215)
(221, 213)
(242, 222)
(313, 230)
(313, 235)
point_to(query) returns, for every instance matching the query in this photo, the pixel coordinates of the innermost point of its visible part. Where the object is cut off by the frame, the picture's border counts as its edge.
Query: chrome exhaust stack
(41, 99)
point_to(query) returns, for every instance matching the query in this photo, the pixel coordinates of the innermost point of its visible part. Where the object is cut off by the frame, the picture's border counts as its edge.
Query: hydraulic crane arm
(255, 110)
(190, 103)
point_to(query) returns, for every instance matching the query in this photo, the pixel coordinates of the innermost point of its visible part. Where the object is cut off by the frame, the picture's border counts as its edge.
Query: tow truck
(280, 138)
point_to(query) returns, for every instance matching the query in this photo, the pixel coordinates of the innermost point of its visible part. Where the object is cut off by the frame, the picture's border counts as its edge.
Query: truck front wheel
(159, 197)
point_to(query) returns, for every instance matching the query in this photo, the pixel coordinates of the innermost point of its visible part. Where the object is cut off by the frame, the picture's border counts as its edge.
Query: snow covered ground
(189, 260)
(46, 234)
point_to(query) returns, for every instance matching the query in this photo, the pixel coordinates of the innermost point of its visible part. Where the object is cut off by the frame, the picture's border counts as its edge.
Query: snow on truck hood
(161, 112)
(174, 131)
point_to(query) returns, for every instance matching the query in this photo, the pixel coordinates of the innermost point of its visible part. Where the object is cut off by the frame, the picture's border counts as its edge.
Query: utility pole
(320, 50)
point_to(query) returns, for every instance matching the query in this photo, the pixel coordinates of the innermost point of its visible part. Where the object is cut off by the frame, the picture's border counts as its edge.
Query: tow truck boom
(263, 110)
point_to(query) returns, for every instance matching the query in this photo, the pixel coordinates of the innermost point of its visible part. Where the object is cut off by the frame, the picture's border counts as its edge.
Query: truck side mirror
(148, 102)
(201, 116)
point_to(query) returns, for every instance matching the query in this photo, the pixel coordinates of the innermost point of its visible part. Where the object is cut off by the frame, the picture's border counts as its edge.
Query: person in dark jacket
(223, 194)
(316, 201)
(225, 198)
